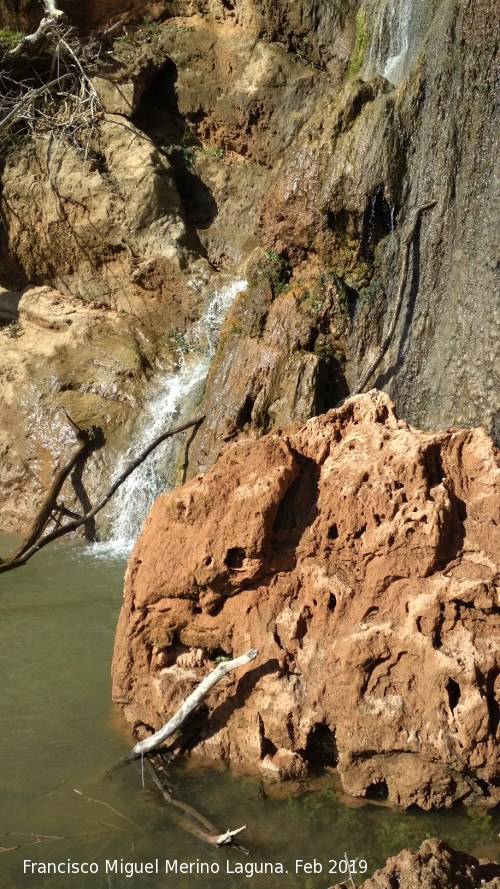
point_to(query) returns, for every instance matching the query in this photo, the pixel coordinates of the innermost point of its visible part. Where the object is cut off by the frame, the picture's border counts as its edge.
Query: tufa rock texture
(360, 556)
(434, 866)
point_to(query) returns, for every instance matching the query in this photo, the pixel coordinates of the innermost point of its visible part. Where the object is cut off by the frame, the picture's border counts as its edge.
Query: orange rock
(359, 555)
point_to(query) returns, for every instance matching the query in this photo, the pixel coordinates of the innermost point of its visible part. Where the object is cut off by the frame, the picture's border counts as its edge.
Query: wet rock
(360, 556)
(347, 190)
(60, 354)
(273, 366)
(433, 866)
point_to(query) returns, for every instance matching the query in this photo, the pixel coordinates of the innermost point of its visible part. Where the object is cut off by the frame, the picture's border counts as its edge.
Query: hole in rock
(377, 222)
(159, 116)
(321, 747)
(333, 532)
(267, 748)
(461, 509)
(332, 602)
(437, 635)
(453, 691)
(235, 557)
(492, 701)
(298, 507)
(218, 654)
(434, 465)
(484, 786)
(245, 412)
(377, 790)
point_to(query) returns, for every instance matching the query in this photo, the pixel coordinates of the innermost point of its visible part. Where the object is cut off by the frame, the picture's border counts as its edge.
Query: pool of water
(60, 807)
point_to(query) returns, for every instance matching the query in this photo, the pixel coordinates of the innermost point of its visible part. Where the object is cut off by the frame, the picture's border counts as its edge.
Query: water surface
(60, 733)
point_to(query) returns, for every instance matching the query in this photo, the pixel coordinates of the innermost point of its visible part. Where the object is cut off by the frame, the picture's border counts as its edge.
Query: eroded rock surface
(60, 355)
(360, 556)
(249, 134)
(434, 866)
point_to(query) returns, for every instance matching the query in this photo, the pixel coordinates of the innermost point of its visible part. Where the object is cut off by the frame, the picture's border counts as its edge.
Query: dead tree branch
(196, 823)
(187, 707)
(399, 299)
(50, 506)
(87, 442)
(55, 94)
(53, 18)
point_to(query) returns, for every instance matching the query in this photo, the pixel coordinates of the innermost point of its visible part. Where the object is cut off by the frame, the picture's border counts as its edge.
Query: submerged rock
(434, 865)
(360, 556)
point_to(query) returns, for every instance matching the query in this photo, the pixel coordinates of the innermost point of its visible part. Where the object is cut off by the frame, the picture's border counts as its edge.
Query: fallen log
(196, 824)
(190, 704)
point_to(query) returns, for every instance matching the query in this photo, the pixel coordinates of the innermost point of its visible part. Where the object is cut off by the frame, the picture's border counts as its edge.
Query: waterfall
(393, 40)
(180, 391)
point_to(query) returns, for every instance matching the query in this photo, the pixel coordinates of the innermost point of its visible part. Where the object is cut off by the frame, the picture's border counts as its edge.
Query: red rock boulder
(360, 556)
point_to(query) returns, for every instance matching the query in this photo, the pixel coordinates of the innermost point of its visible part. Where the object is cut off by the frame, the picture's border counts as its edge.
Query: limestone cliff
(360, 556)
(295, 139)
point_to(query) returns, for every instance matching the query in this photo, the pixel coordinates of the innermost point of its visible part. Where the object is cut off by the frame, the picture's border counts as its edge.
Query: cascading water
(175, 403)
(393, 39)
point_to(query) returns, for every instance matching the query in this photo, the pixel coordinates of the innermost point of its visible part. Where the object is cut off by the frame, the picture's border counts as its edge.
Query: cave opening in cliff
(158, 115)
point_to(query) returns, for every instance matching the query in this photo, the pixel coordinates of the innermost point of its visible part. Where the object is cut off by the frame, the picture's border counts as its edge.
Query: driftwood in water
(195, 823)
(190, 704)
(51, 510)
(399, 300)
(188, 817)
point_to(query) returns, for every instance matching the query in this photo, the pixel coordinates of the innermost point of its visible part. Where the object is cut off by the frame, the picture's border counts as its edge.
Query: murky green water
(59, 734)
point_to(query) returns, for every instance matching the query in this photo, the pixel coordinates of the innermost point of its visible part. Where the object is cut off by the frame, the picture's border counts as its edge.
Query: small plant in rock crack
(187, 157)
(277, 270)
(215, 152)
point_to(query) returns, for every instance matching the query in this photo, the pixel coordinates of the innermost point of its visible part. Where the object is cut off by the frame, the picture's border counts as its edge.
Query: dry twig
(54, 95)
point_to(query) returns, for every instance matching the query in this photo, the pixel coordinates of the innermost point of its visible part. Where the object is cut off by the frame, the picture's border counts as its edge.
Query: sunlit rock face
(295, 139)
(359, 555)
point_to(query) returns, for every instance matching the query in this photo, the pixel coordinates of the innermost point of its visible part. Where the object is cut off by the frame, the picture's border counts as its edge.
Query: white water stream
(393, 39)
(175, 403)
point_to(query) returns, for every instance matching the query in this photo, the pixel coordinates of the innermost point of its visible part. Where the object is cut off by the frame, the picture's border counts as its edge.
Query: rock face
(434, 866)
(292, 139)
(360, 556)
(58, 354)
